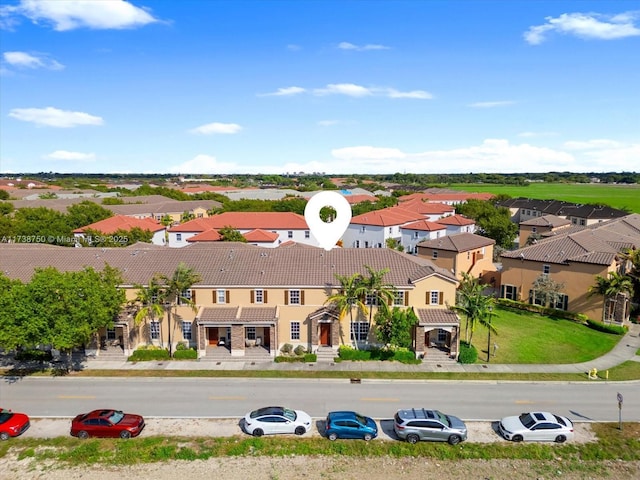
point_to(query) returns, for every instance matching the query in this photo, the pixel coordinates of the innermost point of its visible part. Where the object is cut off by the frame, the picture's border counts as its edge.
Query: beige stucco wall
(461, 262)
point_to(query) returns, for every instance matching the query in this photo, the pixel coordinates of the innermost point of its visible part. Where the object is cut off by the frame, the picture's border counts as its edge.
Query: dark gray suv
(418, 424)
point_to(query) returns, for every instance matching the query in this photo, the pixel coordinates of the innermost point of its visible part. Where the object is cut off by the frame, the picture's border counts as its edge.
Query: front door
(266, 337)
(325, 334)
(213, 336)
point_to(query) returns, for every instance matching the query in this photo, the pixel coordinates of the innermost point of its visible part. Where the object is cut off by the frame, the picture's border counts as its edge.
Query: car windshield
(289, 414)
(527, 420)
(116, 417)
(560, 420)
(443, 418)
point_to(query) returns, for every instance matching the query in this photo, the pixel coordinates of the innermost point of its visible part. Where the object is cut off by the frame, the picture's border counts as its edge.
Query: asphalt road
(212, 397)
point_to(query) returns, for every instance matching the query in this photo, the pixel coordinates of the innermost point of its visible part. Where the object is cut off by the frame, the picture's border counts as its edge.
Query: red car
(107, 423)
(12, 424)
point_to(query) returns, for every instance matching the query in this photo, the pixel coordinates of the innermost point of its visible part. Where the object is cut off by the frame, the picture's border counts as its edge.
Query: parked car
(541, 426)
(345, 424)
(107, 423)
(12, 424)
(270, 420)
(418, 424)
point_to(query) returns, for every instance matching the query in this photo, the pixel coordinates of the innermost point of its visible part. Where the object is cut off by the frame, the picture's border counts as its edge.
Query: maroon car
(107, 423)
(12, 424)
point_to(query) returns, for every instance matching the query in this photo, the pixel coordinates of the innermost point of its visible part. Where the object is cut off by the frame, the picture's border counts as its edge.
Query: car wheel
(300, 431)
(367, 437)
(83, 434)
(333, 436)
(125, 434)
(4, 436)
(412, 438)
(517, 438)
(258, 432)
(561, 439)
(454, 439)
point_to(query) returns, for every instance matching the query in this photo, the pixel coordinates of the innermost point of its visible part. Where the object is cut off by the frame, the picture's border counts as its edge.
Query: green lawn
(529, 338)
(626, 197)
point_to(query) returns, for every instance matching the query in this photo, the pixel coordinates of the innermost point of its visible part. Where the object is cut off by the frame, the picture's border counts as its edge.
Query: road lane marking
(373, 399)
(524, 402)
(77, 397)
(227, 398)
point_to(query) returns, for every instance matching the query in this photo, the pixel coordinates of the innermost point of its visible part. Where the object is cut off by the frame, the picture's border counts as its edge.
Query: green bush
(403, 355)
(182, 346)
(603, 327)
(468, 353)
(287, 348)
(146, 354)
(309, 358)
(288, 359)
(185, 354)
(300, 350)
(33, 355)
(546, 311)
(346, 352)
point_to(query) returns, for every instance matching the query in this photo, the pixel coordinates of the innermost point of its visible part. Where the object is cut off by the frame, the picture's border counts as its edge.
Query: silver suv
(418, 424)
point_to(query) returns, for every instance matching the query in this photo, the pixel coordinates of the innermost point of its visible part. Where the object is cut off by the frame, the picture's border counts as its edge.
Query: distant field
(626, 197)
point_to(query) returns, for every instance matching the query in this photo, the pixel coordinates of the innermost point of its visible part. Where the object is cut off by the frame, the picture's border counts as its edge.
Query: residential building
(445, 196)
(524, 209)
(534, 229)
(415, 232)
(458, 224)
(373, 229)
(121, 223)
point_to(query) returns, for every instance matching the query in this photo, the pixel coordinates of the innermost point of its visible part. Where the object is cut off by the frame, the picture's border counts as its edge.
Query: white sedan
(540, 426)
(270, 420)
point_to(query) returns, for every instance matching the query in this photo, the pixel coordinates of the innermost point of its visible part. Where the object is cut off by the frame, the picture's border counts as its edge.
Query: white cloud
(361, 48)
(66, 155)
(54, 117)
(286, 91)
(367, 152)
(348, 89)
(595, 144)
(71, 14)
(216, 128)
(419, 94)
(500, 103)
(587, 26)
(206, 164)
(26, 60)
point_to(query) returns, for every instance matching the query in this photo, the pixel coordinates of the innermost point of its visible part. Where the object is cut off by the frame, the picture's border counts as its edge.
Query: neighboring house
(251, 297)
(524, 209)
(415, 232)
(539, 227)
(458, 224)
(287, 226)
(432, 211)
(373, 229)
(573, 260)
(460, 253)
(447, 197)
(120, 223)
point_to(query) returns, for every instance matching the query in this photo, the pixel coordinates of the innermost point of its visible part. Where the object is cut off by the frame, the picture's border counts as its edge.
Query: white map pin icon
(327, 234)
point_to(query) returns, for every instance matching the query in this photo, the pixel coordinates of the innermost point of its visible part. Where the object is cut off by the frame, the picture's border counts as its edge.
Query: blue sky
(248, 86)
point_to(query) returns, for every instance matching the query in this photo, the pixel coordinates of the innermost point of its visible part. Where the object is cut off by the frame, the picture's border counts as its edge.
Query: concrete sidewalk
(625, 350)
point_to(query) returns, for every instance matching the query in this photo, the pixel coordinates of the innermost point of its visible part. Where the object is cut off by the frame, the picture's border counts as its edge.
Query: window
(258, 296)
(251, 333)
(442, 335)
(434, 254)
(434, 297)
(289, 234)
(295, 330)
(307, 234)
(561, 302)
(546, 269)
(357, 243)
(366, 244)
(154, 330)
(510, 292)
(390, 230)
(201, 215)
(583, 222)
(178, 237)
(294, 297)
(399, 299)
(111, 333)
(185, 297)
(370, 299)
(221, 296)
(415, 234)
(536, 298)
(534, 230)
(468, 255)
(363, 228)
(359, 331)
(186, 330)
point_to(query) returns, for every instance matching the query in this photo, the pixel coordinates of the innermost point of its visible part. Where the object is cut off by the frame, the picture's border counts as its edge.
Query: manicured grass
(529, 338)
(626, 197)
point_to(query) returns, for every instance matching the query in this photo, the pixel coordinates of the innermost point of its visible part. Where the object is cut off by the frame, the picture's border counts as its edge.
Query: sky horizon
(340, 87)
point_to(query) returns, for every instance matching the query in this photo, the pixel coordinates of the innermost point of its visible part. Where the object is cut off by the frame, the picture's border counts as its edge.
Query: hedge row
(401, 355)
(468, 353)
(603, 327)
(306, 358)
(547, 311)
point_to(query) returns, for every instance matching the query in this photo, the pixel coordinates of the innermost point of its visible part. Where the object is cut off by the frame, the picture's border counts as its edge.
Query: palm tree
(381, 294)
(610, 287)
(476, 307)
(350, 295)
(150, 301)
(469, 289)
(175, 288)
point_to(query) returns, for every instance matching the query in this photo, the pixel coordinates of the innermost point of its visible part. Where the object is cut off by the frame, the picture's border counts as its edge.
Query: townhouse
(532, 230)
(251, 298)
(122, 223)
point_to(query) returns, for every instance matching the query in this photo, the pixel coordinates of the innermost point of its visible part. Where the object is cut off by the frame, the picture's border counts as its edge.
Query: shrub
(185, 354)
(288, 359)
(34, 355)
(309, 358)
(300, 350)
(146, 354)
(404, 355)
(468, 353)
(287, 348)
(349, 353)
(549, 312)
(182, 346)
(603, 327)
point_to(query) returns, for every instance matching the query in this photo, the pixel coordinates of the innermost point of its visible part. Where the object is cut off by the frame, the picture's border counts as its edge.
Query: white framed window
(221, 296)
(366, 244)
(434, 297)
(307, 234)
(186, 330)
(178, 237)
(510, 292)
(258, 296)
(359, 331)
(251, 333)
(294, 297)
(111, 333)
(363, 228)
(546, 269)
(154, 330)
(561, 302)
(185, 297)
(415, 234)
(289, 234)
(295, 330)
(357, 243)
(534, 230)
(370, 299)
(399, 298)
(442, 335)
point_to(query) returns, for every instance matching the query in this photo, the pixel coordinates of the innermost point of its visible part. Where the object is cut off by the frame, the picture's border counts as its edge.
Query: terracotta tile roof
(460, 242)
(246, 221)
(226, 264)
(547, 221)
(206, 236)
(427, 208)
(218, 315)
(456, 197)
(439, 316)
(597, 243)
(259, 235)
(122, 222)
(353, 199)
(456, 220)
(424, 225)
(387, 217)
(258, 314)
